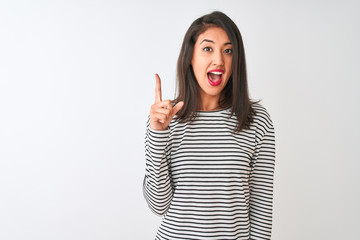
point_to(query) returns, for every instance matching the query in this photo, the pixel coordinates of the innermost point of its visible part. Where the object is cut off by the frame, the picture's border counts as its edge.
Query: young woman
(210, 153)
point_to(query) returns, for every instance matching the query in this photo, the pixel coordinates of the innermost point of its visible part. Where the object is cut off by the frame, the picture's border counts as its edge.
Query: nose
(218, 58)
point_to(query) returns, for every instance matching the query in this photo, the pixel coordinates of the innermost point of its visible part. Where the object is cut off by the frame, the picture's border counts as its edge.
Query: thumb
(177, 107)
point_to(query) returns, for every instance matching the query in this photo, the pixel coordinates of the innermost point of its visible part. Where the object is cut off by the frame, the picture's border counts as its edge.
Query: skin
(212, 50)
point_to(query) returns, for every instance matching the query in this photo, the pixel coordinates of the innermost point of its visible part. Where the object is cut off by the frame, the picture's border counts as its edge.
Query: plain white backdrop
(77, 82)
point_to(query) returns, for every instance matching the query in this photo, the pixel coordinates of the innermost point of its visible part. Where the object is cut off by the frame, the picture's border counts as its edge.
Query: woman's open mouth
(215, 76)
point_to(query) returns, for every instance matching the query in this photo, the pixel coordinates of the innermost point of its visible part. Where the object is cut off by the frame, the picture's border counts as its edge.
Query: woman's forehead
(214, 35)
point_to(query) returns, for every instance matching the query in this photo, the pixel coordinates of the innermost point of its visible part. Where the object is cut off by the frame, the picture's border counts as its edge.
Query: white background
(77, 82)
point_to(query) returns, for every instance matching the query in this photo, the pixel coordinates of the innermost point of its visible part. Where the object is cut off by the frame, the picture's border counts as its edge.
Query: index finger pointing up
(157, 89)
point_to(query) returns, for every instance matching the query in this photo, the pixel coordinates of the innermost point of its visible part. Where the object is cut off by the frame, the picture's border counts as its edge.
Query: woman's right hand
(162, 112)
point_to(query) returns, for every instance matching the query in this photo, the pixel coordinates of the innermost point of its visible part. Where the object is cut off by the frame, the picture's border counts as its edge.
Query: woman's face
(212, 61)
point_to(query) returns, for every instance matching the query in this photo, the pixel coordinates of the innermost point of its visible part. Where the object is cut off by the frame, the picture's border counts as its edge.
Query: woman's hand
(162, 112)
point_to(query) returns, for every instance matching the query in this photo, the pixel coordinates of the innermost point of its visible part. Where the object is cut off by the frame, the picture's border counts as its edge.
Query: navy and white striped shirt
(211, 183)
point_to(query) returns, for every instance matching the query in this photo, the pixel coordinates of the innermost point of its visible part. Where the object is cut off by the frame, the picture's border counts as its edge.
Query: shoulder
(261, 117)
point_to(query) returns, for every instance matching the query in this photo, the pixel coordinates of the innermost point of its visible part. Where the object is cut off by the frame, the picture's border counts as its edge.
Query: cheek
(229, 66)
(199, 68)
(229, 62)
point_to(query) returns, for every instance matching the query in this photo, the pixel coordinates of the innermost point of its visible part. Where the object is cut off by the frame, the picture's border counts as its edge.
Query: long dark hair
(235, 93)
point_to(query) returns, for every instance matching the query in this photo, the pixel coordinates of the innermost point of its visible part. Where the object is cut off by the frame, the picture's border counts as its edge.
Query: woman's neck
(209, 103)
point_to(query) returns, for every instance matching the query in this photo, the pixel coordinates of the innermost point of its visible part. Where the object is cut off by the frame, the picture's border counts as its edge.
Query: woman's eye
(228, 51)
(207, 49)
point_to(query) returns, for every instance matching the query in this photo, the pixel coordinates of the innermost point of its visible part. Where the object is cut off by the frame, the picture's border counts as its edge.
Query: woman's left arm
(261, 184)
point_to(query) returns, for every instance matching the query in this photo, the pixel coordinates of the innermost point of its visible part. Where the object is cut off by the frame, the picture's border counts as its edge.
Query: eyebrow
(211, 41)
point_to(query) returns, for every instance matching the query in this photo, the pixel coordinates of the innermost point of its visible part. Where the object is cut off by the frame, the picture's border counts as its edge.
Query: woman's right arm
(157, 185)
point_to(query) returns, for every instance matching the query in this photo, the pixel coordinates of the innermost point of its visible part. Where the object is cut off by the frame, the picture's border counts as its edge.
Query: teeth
(217, 73)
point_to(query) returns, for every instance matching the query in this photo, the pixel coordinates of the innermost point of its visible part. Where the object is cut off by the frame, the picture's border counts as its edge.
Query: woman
(210, 153)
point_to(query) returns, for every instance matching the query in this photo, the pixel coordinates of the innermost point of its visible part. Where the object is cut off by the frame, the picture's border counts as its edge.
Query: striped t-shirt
(209, 182)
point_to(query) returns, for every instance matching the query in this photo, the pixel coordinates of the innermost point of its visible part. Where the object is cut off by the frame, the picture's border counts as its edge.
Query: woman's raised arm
(157, 185)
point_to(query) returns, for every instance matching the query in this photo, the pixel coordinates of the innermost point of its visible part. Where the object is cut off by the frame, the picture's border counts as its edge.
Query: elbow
(158, 202)
(157, 211)
(158, 207)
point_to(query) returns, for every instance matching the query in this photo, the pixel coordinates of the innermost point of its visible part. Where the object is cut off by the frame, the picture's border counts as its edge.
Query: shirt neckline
(214, 111)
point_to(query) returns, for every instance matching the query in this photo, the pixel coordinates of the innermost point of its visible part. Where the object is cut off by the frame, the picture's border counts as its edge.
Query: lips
(215, 76)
